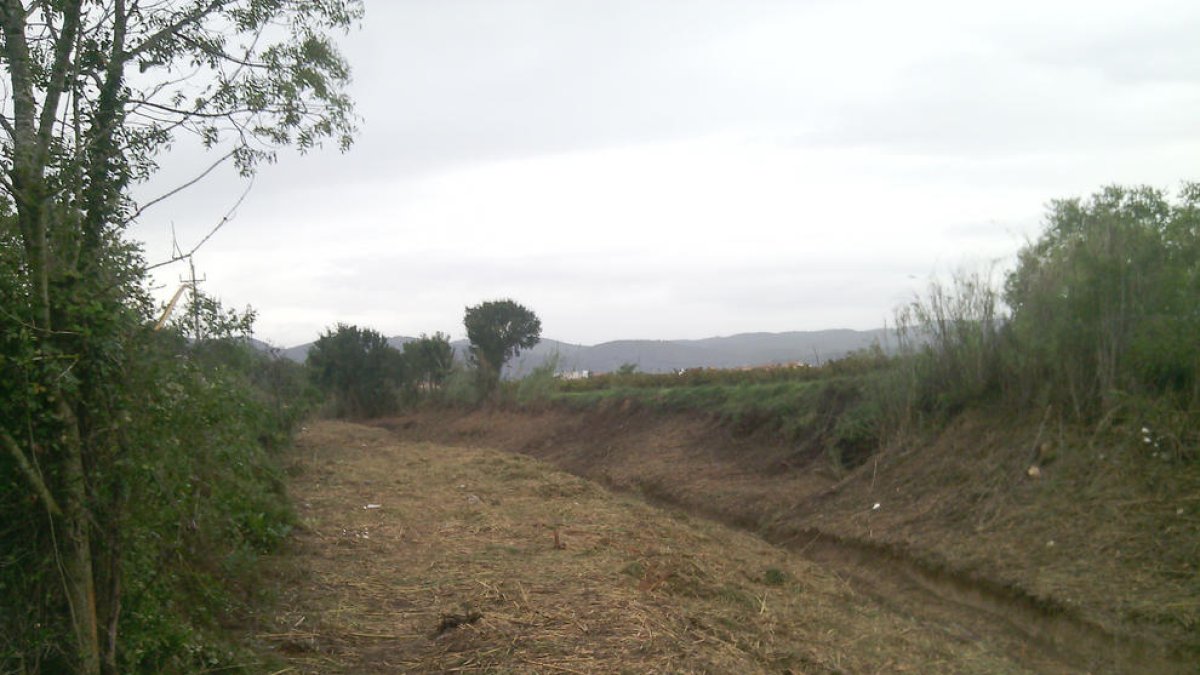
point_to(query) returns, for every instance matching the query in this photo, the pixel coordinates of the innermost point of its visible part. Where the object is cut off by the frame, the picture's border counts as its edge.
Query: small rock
(1034, 472)
(1050, 544)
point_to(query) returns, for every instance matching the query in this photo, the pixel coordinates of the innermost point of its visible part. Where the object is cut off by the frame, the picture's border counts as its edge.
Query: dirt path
(416, 557)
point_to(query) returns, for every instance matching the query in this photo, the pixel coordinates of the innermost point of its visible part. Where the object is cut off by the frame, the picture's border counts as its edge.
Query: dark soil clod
(451, 621)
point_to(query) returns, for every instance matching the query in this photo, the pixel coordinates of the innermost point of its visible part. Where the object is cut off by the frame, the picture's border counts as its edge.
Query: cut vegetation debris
(554, 574)
(1094, 564)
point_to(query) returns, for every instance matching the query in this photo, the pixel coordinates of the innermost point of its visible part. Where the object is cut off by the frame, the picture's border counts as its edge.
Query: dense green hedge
(191, 497)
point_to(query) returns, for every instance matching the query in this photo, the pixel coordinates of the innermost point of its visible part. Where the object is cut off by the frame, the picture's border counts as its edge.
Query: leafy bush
(428, 361)
(207, 491)
(1108, 301)
(1104, 313)
(358, 370)
(191, 494)
(464, 387)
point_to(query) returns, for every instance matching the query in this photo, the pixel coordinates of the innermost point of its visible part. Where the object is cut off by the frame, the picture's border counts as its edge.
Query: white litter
(373, 506)
(876, 507)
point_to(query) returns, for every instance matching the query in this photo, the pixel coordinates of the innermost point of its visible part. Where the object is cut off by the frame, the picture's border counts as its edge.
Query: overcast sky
(687, 169)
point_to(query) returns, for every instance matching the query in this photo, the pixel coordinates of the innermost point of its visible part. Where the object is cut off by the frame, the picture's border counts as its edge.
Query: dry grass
(1105, 529)
(476, 560)
(1109, 532)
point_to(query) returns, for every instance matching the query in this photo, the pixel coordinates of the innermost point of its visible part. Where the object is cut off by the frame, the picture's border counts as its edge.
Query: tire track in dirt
(886, 574)
(1042, 631)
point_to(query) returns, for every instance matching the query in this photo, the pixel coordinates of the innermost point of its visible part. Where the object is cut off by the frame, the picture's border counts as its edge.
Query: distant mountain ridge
(660, 356)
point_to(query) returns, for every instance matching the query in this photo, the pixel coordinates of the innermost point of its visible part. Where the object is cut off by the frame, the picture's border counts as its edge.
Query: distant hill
(660, 356)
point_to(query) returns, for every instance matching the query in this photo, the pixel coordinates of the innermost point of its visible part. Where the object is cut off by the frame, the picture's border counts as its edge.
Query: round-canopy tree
(499, 330)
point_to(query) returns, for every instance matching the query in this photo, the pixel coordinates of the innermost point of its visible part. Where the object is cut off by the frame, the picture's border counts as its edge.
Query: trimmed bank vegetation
(1096, 326)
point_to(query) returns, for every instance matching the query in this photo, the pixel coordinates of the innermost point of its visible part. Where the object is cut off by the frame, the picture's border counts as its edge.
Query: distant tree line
(364, 376)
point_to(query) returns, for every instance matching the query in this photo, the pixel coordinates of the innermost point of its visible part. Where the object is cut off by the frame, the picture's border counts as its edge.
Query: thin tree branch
(64, 45)
(169, 30)
(222, 55)
(196, 112)
(35, 478)
(228, 217)
(185, 186)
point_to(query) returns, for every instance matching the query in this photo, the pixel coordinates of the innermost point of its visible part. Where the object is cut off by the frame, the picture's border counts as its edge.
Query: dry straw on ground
(479, 561)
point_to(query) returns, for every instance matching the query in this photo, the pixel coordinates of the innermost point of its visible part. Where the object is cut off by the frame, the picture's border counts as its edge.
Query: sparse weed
(774, 576)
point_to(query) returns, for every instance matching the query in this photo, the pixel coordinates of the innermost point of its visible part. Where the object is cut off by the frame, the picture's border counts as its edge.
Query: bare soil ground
(1092, 565)
(416, 556)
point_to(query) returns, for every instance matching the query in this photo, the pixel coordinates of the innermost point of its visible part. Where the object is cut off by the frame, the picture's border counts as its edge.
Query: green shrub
(192, 494)
(540, 384)
(1107, 301)
(358, 370)
(857, 434)
(1104, 310)
(464, 387)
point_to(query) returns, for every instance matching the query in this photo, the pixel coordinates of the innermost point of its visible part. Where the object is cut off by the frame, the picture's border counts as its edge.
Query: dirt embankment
(426, 557)
(1095, 558)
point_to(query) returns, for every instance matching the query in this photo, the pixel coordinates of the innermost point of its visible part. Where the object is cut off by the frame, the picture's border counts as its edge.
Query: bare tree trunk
(33, 202)
(77, 559)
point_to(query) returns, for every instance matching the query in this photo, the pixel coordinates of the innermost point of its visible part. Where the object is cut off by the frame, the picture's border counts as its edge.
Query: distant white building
(574, 375)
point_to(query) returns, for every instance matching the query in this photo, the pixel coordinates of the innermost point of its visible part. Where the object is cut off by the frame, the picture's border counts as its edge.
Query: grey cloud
(1147, 45)
(1008, 105)
(441, 84)
(496, 80)
(975, 106)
